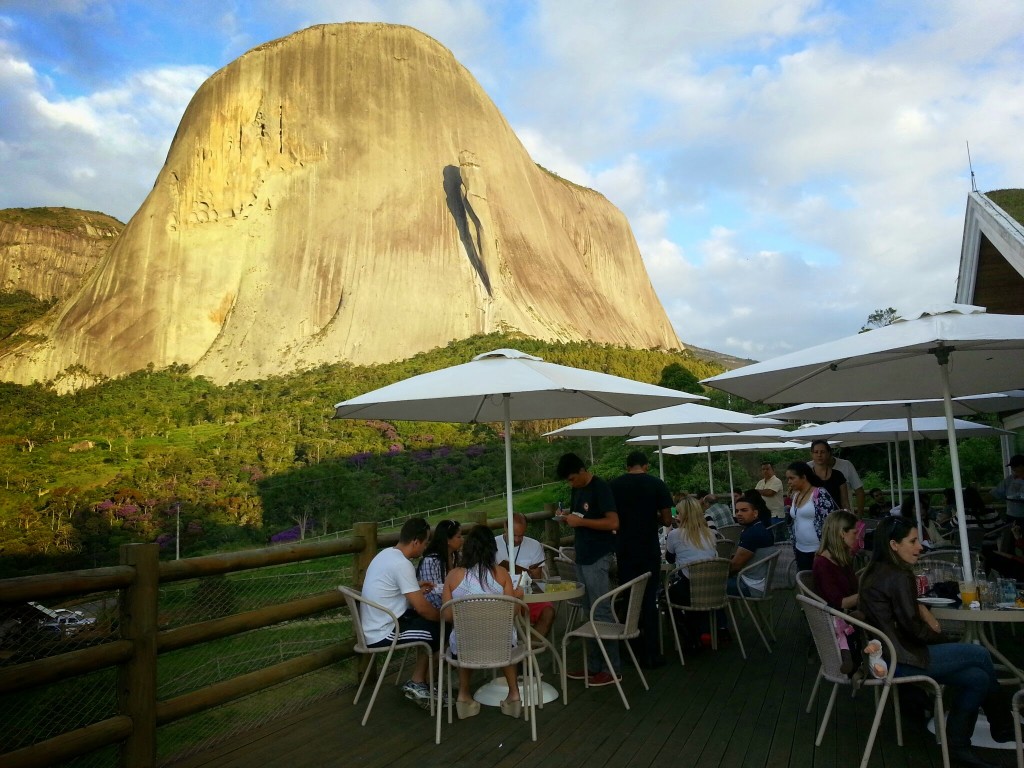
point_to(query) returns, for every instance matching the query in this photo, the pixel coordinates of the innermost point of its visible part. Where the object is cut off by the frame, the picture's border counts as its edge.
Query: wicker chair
(484, 627)
(353, 598)
(603, 631)
(759, 607)
(725, 548)
(707, 593)
(821, 618)
(731, 532)
(806, 586)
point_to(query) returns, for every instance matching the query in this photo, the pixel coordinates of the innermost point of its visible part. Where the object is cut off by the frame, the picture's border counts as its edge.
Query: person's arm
(832, 585)
(766, 491)
(859, 495)
(999, 492)
(422, 606)
(907, 616)
(610, 522)
(739, 559)
(844, 491)
(502, 576)
(666, 517)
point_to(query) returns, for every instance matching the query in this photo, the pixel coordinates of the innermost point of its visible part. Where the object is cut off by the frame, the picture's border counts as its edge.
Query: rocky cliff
(47, 252)
(348, 192)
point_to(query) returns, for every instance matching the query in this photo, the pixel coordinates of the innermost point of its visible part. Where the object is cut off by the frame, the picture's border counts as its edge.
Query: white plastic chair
(605, 631)
(353, 598)
(821, 618)
(755, 604)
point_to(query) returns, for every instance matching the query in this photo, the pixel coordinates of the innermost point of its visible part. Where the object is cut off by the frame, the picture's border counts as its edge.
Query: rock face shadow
(464, 219)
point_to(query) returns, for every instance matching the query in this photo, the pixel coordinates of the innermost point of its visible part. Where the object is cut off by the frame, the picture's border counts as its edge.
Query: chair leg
(376, 687)
(771, 618)
(565, 688)
(896, 711)
(828, 713)
(874, 728)
(735, 627)
(401, 666)
(611, 670)
(1017, 737)
(814, 690)
(440, 681)
(940, 730)
(675, 636)
(756, 623)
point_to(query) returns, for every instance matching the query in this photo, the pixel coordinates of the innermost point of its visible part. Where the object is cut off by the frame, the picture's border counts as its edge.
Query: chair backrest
(635, 598)
(566, 569)
(484, 629)
(731, 532)
(806, 585)
(725, 548)
(353, 599)
(708, 580)
(762, 567)
(821, 620)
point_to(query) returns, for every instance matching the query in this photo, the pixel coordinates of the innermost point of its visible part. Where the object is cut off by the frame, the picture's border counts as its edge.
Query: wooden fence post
(362, 560)
(136, 678)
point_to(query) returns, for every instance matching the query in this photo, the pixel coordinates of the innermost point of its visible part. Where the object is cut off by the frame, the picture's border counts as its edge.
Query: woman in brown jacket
(888, 598)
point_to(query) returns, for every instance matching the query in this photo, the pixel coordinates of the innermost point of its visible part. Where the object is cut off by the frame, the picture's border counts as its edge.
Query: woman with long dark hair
(888, 598)
(440, 556)
(810, 505)
(831, 478)
(478, 574)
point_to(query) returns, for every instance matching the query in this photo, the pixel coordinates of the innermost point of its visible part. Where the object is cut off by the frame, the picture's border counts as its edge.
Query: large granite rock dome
(348, 192)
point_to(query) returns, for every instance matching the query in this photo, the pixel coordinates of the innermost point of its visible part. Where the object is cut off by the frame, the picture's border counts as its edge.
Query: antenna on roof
(974, 185)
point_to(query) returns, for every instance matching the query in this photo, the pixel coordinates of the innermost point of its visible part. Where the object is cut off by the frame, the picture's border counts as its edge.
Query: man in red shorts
(529, 559)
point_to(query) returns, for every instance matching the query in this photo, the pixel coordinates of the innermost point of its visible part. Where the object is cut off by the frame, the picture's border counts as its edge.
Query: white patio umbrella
(678, 419)
(863, 432)
(507, 385)
(955, 350)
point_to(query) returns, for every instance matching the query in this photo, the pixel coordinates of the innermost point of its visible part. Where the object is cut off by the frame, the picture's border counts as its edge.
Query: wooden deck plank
(715, 710)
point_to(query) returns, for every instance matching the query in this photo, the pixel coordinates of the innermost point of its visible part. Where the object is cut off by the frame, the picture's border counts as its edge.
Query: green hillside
(82, 473)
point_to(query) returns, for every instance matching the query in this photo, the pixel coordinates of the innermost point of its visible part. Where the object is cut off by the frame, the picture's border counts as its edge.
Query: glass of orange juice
(968, 592)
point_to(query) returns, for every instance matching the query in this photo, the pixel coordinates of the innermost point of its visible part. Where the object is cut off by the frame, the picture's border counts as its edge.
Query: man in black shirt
(643, 503)
(592, 516)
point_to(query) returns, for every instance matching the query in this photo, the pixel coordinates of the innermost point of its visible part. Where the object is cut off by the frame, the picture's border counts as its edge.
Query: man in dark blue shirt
(592, 517)
(756, 543)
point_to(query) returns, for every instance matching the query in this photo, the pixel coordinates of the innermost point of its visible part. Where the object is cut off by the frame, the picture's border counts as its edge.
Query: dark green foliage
(247, 461)
(675, 376)
(19, 308)
(1010, 200)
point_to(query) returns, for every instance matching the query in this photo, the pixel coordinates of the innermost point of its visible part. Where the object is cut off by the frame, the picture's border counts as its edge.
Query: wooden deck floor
(718, 710)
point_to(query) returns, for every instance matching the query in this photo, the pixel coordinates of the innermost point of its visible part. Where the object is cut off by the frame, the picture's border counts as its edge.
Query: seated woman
(478, 574)
(440, 556)
(691, 541)
(888, 599)
(836, 582)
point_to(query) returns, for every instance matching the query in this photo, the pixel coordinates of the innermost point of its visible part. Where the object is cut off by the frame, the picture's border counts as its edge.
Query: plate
(1009, 606)
(936, 600)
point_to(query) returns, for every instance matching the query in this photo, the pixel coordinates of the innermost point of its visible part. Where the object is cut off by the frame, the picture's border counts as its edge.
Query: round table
(492, 693)
(974, 632)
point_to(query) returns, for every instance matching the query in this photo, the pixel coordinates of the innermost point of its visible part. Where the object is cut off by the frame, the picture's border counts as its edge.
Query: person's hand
(426, 587)
(518, 592)
(574, 521)
(535, 572)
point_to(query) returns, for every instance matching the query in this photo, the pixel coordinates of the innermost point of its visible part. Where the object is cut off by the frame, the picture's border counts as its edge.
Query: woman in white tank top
(478, 574)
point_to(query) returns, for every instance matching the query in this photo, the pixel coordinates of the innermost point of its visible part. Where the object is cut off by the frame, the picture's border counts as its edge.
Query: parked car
(65, 622)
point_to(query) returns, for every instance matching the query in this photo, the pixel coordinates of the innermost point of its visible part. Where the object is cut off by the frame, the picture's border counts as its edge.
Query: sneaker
(444, 696)
(576, 674)
(418, 693)
(603, 678)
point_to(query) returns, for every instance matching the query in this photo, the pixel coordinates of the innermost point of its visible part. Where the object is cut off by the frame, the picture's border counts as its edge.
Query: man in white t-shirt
(770, 488)
(391, 582)
(530, 558)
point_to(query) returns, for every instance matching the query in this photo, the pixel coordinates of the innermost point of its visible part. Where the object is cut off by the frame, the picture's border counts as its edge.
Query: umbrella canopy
(888, 430)
(678, 419)
(690, 450)
(507, 385)
(996, 402)
(955, 350)
(751, 437)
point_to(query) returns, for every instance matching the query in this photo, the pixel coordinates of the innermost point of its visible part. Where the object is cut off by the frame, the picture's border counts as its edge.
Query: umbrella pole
(913, 472)
(732, 493)
(954, 457)
(590, 439)
(711, 479)
(508, 485)
(899, 474)
(661, 457)
(1005, 446)
(892, 484)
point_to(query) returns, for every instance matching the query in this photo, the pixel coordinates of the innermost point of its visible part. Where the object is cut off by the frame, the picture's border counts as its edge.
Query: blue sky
(787, 166)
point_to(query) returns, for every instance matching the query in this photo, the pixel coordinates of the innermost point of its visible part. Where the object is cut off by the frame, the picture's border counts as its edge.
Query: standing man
(593, 517)
(529, 558)
(770, 487)
(391, 582)
(643, 503)
(1011, 489)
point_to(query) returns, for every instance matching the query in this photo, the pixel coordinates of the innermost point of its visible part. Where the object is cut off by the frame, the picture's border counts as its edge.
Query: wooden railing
(139, 641)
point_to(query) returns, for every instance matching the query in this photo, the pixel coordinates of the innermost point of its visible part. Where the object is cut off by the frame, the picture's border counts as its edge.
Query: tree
(880, 318)
(675, 376)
